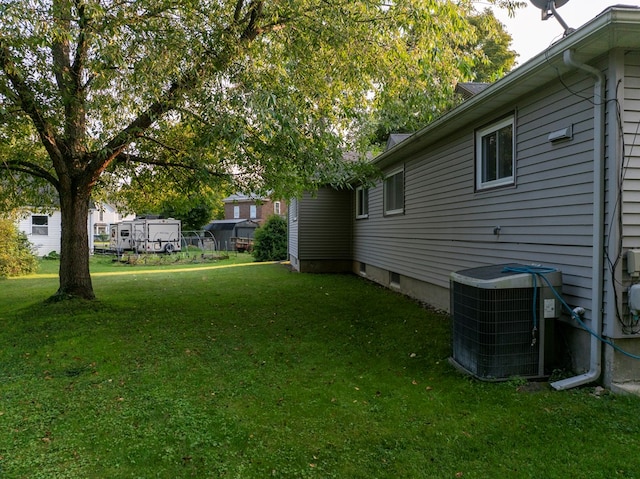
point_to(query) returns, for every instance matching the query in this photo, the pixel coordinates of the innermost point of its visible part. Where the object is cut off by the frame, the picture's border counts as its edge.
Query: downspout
(597, 267)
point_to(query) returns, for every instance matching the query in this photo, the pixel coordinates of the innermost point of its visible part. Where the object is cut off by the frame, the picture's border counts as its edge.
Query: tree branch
(30, 169)
(68, 75)
(238, 10)
(161, 144)
(254, 15)
(187, 81)
(60, 46)
(82, 46)
(28, 103)
(128, 158)
(139, 125)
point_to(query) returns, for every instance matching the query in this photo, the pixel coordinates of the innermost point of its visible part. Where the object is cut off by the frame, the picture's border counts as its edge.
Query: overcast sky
(531, 35)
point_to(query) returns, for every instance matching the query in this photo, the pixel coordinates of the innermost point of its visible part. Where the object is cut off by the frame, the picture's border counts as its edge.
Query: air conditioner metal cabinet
(493, 321)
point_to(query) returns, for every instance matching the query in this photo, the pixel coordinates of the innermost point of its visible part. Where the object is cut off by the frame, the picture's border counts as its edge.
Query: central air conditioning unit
(502, 320)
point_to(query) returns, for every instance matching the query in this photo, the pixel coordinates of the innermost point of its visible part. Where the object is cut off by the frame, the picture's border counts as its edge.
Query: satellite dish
(544, 4)
(548, 8)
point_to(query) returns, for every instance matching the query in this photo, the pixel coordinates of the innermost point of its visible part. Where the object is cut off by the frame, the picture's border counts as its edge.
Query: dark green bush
(52, 255)
(16, 252)
(270, 240)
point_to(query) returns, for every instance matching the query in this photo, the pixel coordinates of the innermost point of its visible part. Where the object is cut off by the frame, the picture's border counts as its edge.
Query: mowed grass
(254, 371)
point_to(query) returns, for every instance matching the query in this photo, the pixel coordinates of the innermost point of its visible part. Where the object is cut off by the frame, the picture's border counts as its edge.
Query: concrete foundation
(427, 293)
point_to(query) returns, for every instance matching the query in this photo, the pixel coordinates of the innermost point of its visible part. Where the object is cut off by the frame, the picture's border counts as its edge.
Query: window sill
(394, 212)
(495, 186)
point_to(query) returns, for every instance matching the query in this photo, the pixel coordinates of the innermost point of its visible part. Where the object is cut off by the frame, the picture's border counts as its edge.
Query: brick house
(252, 207)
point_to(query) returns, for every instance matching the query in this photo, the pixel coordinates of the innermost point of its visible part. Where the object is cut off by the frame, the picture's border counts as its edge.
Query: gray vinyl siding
(292, 228)
(545, 218)
(631, 129)
(325, 225)
(548, 215)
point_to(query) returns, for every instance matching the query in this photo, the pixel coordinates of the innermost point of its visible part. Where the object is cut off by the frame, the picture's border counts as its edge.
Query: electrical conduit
(595, 365)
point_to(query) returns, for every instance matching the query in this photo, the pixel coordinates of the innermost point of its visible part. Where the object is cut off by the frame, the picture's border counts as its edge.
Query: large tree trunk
(75, 280)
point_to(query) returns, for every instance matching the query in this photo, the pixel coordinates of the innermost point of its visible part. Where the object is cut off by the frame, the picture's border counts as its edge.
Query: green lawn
(252, 371)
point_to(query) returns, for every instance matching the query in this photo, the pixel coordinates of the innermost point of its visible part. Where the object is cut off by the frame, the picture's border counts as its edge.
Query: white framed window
(495, 158)
(293, 209)
(253, 211)
(40, 225)
(276, 208)
(236, 212)
(394, 192)
(362, 202)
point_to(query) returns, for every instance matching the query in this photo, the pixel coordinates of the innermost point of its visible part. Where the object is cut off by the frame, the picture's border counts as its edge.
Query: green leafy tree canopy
(101, 95)
(420, 95)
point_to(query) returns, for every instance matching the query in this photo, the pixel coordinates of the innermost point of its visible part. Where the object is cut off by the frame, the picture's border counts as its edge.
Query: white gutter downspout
(598, 226)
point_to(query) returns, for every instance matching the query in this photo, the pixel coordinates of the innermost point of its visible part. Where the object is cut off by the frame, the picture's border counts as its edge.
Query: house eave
(617, 27)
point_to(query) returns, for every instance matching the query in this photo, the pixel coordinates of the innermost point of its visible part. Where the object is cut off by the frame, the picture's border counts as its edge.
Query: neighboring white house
(102, 216)
(44, 229)
(541, 167)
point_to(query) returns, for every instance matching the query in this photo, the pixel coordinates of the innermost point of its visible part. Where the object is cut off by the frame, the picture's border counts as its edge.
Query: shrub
(270, 240)
(16, 252)
(52, 255)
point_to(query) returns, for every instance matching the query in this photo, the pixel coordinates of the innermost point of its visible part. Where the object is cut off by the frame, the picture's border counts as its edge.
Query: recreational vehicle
(146, 235)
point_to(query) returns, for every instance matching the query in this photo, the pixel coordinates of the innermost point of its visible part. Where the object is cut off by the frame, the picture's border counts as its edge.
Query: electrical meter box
(633, 262)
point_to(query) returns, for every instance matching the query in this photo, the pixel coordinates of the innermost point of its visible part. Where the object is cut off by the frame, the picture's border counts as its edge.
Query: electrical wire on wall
(627, 322)
(613, 255)
(539, 272)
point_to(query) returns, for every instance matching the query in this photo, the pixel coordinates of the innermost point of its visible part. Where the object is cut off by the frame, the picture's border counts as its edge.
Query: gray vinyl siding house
(571, 200)
(326, 220)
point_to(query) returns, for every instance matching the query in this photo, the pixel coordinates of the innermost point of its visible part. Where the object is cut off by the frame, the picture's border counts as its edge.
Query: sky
(531, 35)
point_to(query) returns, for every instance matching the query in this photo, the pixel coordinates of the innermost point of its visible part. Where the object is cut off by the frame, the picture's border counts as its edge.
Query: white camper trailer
(146, 235)
(120, 238)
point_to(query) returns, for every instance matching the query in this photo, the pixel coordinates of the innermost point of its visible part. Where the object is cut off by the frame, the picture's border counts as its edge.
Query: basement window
(363, 269)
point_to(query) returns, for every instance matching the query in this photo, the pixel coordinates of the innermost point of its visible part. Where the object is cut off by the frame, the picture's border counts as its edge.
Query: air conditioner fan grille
(492, 332)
